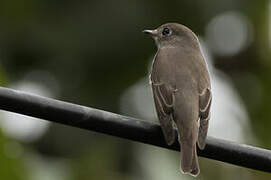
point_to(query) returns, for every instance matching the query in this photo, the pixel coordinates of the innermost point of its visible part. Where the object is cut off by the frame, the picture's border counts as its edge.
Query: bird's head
(172, 34)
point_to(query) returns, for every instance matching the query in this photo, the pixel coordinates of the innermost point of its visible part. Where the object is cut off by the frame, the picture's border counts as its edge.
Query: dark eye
(166, 31)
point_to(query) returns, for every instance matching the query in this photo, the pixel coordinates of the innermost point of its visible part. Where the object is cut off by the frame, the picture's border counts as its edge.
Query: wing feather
(163, 100)
(205, 100)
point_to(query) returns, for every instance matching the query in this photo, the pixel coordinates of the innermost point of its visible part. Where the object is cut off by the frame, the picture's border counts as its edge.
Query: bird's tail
(189, 159)
(195, 163)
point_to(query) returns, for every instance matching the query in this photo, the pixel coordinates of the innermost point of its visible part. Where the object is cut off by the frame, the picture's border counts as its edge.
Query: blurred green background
(93, 53)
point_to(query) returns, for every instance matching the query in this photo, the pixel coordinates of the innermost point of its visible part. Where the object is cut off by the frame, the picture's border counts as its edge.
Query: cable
(127, 127)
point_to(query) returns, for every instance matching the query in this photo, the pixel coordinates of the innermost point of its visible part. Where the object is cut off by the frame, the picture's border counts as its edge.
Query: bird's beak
(151, 32)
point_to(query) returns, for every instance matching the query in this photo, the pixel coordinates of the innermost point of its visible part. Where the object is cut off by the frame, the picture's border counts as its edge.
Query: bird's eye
(166, 31)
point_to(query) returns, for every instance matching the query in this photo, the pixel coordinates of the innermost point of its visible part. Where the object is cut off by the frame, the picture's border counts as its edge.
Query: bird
(181, 89)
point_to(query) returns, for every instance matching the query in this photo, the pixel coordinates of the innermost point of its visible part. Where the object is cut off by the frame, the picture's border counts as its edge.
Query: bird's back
(177, 66)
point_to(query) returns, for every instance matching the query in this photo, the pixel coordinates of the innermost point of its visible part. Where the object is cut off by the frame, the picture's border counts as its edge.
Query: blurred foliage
(10, 167)
(95, 50)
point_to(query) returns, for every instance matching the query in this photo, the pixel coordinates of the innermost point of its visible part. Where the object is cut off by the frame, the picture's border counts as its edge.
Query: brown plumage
(181, 90)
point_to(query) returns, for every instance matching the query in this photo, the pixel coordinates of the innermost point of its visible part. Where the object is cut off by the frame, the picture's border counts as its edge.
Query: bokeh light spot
(228, 33)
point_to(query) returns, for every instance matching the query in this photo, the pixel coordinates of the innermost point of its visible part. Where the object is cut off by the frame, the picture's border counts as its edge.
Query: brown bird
(181, 90)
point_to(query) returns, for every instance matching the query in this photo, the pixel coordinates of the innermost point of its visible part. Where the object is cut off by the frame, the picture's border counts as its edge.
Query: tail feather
(186, 157)
(189, 159)
(195, 164)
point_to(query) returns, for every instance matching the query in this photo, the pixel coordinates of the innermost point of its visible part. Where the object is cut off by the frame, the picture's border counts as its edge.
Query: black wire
(127, 127)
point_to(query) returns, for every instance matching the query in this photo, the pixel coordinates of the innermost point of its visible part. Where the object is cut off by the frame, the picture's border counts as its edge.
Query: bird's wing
(205, 100)
(163, 100)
